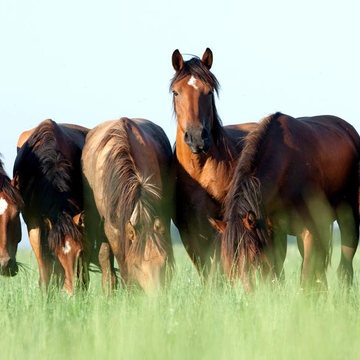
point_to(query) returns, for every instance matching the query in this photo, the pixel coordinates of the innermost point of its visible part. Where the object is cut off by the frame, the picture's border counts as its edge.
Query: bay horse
(294, 176)
(205, 156)
(47, 172)
(128, 187)
(10, 228)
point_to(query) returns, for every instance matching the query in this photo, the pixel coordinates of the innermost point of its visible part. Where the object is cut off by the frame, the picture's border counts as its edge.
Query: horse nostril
(204, 134)
(186, 137)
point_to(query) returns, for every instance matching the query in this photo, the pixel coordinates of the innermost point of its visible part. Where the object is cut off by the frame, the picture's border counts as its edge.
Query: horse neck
(216, 164)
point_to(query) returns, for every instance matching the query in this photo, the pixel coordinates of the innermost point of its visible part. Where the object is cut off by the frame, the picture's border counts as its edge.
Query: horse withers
(294, 176)
(47, 172)
(128, 189)
(10, 227)
(205, 156)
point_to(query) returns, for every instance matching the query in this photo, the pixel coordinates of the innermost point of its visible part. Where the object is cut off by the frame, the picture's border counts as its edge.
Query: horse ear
(250, 220)
(48, 223)
(130, 231)
(15, 182)
(79, 219)
(207, 58)
(177, 60)
(218, 225)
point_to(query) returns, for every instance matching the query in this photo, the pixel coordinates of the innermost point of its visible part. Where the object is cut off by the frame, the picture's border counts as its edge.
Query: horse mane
(50, 180)
(244, 195)
(195, 67)
(128, 194)
(10, 191)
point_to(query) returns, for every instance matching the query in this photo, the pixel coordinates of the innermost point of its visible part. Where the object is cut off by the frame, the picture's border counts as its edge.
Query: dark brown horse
(205, 155)
(47, 171)
(128, 198)
(294, 176)
(10, 228)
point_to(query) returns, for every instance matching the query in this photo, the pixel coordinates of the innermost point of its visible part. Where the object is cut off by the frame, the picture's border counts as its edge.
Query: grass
(187, 321)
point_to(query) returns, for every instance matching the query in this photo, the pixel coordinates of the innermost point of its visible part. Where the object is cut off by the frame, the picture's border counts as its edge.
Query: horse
(128, 186)
(296, 177)
(10, 229)
(47, 172)
(205, 156)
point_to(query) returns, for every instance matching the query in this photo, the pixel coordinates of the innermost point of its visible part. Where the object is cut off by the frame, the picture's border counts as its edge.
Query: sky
(86, 62)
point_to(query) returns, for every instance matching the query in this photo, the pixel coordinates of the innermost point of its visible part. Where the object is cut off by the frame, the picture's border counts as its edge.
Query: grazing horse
(128, 189)
(205, 156)
(10, 228)
(47, 172)
(294, 176)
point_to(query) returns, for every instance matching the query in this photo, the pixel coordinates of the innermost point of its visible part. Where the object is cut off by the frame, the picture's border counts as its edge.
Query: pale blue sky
(88, 61)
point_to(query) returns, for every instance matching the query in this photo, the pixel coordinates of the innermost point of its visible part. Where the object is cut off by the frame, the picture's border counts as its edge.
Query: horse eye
(175, 93)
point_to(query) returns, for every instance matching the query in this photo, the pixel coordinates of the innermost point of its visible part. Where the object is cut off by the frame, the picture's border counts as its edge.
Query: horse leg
(300, 244)
(280, 248)
(106, 261)
(348, 220)
(41, 258)
(314, 262)
(116, 248)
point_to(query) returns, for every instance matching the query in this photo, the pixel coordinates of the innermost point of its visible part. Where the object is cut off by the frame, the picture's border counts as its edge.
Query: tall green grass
(188, 320)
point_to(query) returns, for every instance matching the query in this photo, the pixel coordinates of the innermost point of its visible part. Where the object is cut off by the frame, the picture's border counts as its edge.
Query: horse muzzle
(8, 266)
(198, 140)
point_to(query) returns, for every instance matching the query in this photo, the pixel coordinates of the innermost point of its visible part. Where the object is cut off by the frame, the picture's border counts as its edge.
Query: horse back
(320, 152)
(76, 133)
(236, 134)
(149, 146)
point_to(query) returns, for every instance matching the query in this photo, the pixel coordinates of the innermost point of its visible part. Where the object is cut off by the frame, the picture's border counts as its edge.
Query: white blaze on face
(192, 82)
(3, 205)
(66, 248)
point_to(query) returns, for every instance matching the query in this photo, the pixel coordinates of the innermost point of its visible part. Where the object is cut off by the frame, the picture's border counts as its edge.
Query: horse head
(193, 88)
(10, 227)
(149, 254)
(242, 247)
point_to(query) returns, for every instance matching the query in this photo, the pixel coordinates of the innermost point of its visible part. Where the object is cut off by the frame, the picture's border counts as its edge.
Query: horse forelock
(128, 195)
(238, 241)
(195, 67)
(64, 226)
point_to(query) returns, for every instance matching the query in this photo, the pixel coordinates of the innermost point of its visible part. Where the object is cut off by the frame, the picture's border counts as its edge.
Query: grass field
(187, 321)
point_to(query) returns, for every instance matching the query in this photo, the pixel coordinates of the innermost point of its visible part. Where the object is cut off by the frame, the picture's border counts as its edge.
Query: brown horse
(10, 228)
(205, 155)
(294, 176)
(47, 173)
(128, 197)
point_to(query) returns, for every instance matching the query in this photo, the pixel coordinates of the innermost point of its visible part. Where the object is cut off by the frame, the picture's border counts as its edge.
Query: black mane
(50, 182)
(245, 195)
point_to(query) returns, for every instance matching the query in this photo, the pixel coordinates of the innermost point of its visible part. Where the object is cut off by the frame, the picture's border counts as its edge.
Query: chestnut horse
(10, 228)
(205, 155)
(128, 189)
(294, 176)
(47, 173)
